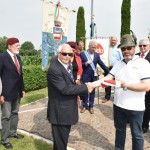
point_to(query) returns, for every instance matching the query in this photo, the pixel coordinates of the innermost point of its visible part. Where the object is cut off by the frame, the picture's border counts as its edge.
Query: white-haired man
(144, 46)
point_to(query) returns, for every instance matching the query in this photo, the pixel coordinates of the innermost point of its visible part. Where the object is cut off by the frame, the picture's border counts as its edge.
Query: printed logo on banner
(99, 49)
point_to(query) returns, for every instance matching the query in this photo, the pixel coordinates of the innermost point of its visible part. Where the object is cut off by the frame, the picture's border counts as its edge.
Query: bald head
(113, 41)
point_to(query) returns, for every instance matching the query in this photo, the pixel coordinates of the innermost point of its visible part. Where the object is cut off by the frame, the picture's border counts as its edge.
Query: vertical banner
(54, 29)
(102, 48)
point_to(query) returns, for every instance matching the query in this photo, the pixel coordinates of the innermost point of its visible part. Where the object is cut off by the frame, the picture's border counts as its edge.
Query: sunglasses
(126, 48)
(65, 54)
(142, 45)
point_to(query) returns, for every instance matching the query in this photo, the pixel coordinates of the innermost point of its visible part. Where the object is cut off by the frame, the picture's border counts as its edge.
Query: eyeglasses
(65, 54)
(126, 48)
(142, 45)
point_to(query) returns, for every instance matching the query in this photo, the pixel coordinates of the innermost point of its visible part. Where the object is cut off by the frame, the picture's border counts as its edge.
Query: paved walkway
(93, 132)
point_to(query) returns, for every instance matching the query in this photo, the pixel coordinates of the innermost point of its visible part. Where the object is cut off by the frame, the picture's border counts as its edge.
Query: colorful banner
(54, 29)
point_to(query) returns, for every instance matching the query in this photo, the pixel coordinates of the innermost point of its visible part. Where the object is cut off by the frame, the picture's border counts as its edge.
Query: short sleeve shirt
(133, 72)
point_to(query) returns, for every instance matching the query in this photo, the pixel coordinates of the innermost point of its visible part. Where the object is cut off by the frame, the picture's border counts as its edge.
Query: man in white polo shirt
(134, 75)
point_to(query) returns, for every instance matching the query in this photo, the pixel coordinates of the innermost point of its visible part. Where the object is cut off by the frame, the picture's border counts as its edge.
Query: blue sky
(23, 18)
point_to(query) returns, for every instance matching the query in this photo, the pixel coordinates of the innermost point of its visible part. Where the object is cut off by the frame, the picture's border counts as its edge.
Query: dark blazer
(62, 95)
(12, 82)
(147, 56)
(88, 73)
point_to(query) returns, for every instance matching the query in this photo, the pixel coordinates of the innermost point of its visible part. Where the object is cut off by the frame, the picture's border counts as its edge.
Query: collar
(145, 54)
(10, 53)
(65, 65)
(133, 58)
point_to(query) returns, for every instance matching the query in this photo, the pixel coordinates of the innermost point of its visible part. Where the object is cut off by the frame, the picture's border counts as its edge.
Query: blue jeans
(135, 119)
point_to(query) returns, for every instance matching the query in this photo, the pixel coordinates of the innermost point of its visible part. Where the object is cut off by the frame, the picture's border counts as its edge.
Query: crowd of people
(72, 77)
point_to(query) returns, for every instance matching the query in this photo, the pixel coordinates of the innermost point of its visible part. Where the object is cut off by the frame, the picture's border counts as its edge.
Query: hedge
(34, 78)
(31, 60)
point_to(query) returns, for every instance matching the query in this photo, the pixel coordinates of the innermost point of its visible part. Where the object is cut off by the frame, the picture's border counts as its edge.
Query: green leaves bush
(34, 78)
(32, 52)
(31, 60)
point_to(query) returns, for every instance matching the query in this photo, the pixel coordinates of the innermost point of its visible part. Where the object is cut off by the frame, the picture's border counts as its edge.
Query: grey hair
(145, 40)
(92, 42)
(61, 47)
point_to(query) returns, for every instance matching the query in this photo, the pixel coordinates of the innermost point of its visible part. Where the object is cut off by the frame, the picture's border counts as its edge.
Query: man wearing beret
(12, 91)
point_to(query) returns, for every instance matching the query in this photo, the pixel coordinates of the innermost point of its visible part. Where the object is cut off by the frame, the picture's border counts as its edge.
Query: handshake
(103, 84)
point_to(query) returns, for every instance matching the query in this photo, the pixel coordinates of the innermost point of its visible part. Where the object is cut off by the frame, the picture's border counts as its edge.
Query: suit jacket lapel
(11, 62)
(148, 56)
(62, 68)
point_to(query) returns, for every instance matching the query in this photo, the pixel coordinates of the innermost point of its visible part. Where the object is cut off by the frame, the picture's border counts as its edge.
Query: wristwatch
(125, 88)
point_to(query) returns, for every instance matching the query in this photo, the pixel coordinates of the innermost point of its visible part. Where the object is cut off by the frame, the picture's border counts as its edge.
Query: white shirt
(134, 71)
(11, 54)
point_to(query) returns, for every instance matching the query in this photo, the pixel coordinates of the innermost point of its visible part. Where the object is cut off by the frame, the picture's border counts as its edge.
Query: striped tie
(17, 64)
(70, 71)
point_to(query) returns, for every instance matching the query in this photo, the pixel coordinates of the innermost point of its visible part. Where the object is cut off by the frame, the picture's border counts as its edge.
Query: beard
(128, 58)
(15, 52)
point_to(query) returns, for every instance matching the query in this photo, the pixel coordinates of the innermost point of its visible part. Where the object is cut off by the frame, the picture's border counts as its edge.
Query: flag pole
(92, 20)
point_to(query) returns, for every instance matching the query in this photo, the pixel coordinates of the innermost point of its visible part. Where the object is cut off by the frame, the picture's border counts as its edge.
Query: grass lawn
(34, 95)
(27, 143)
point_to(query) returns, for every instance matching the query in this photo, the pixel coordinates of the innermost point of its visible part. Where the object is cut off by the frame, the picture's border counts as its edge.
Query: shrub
(31, 60)
(34, 78)
(33, 52)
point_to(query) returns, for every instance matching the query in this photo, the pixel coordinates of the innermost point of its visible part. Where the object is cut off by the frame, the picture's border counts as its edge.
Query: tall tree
(27, 46)
(80, 26)
(3, 43)
(125, 17)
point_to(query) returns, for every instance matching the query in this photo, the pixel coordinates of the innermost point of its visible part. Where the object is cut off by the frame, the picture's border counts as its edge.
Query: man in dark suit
(89, 61)
(144, 46)
(12, 90)
(62, 109)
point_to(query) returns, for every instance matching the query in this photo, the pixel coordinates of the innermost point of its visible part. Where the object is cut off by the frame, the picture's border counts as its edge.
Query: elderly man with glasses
(144, 46)
(62, 109)
(133, 74)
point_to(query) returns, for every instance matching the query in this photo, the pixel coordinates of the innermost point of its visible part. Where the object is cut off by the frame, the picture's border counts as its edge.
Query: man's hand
(78, 101)
(2, 99)
(123, 83)
(23, 93)
(96, 83)
(90, 87)
(88, 62)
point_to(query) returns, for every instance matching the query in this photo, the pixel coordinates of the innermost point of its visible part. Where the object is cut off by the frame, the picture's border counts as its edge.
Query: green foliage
(32, 52)
(125, 17)
(27, 46)
(80, 26)
(3, 44)
(34, 78)
(34, 96)
(28, 143)
(31, 60)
